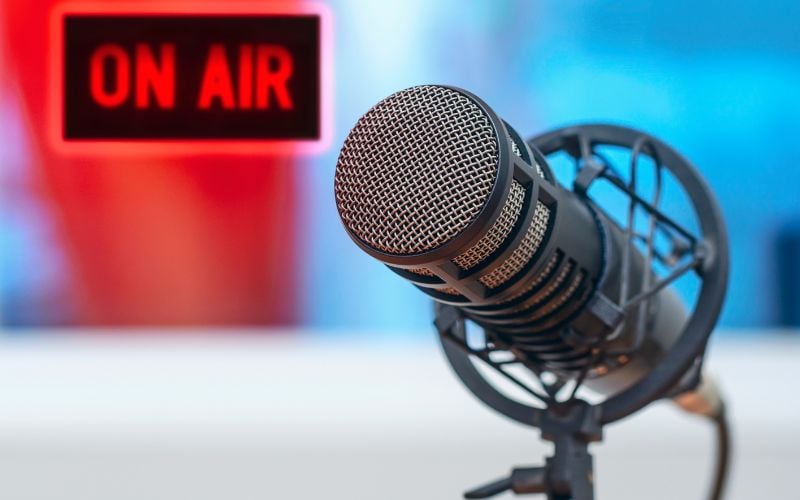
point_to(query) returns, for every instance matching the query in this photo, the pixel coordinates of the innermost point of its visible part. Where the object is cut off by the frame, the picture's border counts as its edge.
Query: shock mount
(568, 421)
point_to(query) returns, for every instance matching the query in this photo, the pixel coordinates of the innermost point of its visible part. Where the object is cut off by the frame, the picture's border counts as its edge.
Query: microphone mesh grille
(416, 170)
(561, 300)
(497, 234)
(543, 274)
(548, 291)
(523, 254)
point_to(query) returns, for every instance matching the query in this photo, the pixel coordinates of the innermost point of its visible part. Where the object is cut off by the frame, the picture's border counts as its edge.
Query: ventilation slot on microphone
(525, 294)
(514, 148)
(562, 299)
(447, 294)
(564, 312)
(543, 275)
(497, 234)
(552, 305)
(422, 271)
(548, 318)
(522, 254)
(547, 292)
(516, 314)
(518, 152)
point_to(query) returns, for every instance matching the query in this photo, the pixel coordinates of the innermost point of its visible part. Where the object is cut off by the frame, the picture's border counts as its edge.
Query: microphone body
(435, 185)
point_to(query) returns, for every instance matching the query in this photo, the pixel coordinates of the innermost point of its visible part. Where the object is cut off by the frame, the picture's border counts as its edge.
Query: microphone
(431, 182)
(435, 185)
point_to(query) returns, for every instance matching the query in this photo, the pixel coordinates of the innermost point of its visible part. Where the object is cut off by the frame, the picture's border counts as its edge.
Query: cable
(706, 400)
(722, 427)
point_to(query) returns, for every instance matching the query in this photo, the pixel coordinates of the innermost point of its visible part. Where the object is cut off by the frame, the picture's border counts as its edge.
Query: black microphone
(431, 182)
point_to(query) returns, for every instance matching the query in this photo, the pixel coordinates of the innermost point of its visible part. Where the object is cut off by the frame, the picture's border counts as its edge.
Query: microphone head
(416, 170)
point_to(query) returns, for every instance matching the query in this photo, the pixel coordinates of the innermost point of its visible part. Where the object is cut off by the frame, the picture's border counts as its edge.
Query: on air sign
(224, 77)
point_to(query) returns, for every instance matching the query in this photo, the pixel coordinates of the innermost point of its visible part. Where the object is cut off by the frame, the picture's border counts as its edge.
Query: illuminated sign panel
(196, 78)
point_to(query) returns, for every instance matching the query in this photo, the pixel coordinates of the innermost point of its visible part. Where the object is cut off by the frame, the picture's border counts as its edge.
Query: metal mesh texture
(523, 254)
(494, 237)
(497, 234)
(538, 280)
(543, 274)
(416, 170)
(562, 299)
(550, 289)
(422, 271)
(514, 148)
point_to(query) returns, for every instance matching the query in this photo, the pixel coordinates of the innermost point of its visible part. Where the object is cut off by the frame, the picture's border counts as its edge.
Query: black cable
(723, 454)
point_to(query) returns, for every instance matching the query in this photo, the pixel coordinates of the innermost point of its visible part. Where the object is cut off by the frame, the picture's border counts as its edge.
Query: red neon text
(262, 74)
(273, 68)
(150, 75)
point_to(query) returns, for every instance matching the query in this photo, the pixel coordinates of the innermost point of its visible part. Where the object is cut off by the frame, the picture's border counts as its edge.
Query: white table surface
(247, 415)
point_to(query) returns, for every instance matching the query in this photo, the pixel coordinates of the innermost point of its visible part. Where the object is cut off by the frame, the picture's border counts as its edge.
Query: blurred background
(200, 325)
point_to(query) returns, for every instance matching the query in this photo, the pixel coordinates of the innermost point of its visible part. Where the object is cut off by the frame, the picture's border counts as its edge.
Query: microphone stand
(568, 474)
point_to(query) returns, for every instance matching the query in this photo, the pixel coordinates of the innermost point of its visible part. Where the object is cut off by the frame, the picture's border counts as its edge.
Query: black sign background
(192, 36)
